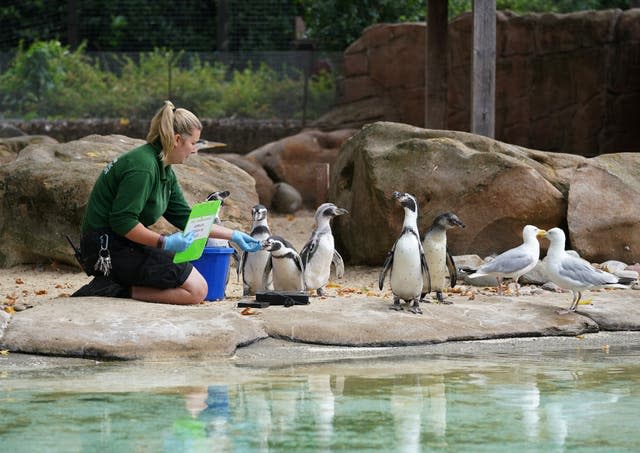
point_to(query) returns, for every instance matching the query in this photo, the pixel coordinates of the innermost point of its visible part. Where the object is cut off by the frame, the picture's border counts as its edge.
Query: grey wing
(300, 267)
(508, 262)
(583, 273)
(451, 267)
(426, 276)
(308, 250)
(338, 263)
(266, 280)
(240, 268)
(385, 268)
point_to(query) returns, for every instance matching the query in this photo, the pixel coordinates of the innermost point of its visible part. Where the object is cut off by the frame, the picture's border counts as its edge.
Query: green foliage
(49, 80)
(334, 24)
(457, 7)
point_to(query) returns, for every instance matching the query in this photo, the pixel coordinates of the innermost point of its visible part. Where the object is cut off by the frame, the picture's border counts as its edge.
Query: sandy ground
(27, 285)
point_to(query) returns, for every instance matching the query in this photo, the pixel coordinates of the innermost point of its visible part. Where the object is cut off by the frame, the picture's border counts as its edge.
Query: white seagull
(570, 272)
(514, 262)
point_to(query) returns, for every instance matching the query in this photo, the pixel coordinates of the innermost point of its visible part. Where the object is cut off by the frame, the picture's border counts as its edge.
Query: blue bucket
(214, 267)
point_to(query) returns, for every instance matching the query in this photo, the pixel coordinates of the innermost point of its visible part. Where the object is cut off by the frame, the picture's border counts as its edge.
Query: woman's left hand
(245, 242)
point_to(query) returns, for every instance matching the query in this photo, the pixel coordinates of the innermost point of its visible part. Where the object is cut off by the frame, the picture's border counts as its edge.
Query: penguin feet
(442, 300)
(415, 308)
(396, 305)
(320, 292)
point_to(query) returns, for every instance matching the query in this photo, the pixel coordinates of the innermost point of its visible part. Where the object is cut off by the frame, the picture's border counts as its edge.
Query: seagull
(571, 272)
(514, 262)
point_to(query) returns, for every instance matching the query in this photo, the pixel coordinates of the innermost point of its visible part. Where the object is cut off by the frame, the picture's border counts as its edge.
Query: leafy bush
(49, 80)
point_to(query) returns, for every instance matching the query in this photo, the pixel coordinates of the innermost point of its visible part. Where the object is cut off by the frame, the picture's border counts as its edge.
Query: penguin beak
(340, 211)
(541, 233)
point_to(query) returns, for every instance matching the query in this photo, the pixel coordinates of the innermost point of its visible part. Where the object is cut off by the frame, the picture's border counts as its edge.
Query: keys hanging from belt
(104, 257)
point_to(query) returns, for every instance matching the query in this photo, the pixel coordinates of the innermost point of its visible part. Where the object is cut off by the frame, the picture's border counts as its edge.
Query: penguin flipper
(240, 267)
(338, 263)
(300, 267)
(426, 276)
(266, 280)
(308, 250)
(453, 272)
(385, 269)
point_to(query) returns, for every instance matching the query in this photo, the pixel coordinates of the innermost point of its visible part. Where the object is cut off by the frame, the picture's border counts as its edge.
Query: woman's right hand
(177, 242)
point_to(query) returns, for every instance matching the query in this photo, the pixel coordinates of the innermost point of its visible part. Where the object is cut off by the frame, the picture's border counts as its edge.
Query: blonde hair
(169, 121)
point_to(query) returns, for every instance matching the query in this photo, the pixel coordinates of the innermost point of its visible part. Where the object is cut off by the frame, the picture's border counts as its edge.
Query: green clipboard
(200, 222)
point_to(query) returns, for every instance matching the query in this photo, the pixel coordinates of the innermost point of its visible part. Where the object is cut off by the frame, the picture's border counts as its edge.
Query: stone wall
(564, 82)
(240, 135)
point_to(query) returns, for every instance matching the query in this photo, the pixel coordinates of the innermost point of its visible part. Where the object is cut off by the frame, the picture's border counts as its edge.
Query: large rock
(495, 188)
(264, 185)
(301, 161)
(43, 194)
(129, 329)
(603, 213)
(10, 147)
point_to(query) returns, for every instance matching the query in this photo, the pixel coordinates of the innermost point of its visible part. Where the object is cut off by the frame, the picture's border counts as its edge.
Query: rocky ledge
(95, 327)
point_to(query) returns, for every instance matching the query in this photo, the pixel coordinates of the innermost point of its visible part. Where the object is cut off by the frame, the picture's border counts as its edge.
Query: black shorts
(133, 264)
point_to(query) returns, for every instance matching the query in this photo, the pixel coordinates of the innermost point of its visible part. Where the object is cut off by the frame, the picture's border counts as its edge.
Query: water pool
(577, 400)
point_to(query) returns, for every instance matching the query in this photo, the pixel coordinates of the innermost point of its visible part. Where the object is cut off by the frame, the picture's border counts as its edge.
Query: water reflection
(549, 403)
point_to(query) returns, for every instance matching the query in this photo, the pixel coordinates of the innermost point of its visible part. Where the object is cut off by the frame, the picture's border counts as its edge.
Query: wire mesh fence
(269, 84)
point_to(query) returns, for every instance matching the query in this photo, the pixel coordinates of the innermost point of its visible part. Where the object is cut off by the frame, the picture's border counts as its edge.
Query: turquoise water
(570, 401)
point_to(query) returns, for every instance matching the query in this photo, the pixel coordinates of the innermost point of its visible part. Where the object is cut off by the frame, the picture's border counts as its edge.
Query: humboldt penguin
(319, 252)
(436, 252)
(252, 263)
(515, 262)
(571, 272)
(406, 262)
(284, 264)
(211, 242)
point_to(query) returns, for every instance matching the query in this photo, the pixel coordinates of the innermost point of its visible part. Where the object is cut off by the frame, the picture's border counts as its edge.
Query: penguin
(406, 262)
(285, 264)
(252, 264)
(436, 252)
(221, 195)
(319, 253)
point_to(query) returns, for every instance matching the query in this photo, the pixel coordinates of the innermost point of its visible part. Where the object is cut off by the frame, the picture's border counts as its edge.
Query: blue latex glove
(177, 242)
(245, 242)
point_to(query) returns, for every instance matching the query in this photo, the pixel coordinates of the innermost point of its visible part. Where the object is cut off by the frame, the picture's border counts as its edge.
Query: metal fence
(299, 66)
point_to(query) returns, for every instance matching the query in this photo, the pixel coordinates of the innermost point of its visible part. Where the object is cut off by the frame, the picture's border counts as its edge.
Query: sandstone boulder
(264, 185)
(495, 188)
(43, 194)
(301, 160)
(603, 215)
(11, 146)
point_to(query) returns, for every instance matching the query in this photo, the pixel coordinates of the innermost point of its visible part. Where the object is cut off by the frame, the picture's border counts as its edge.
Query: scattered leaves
(333, 285)
(4, 352)
(40, 292)
(584, 302)
(19, 281)
(9, 309)
(247, 311)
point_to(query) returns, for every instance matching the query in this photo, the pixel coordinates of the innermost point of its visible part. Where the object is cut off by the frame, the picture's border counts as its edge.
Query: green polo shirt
(135, 188)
